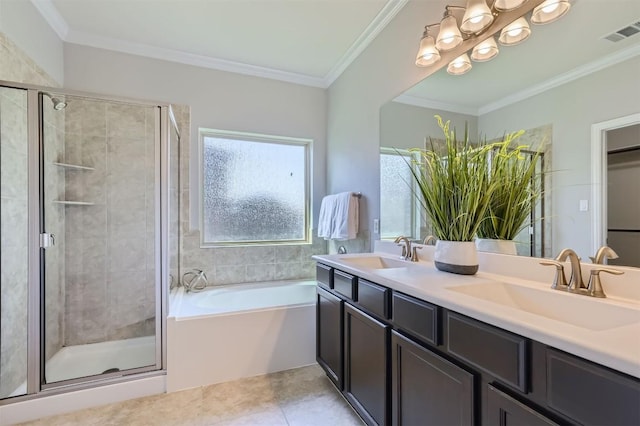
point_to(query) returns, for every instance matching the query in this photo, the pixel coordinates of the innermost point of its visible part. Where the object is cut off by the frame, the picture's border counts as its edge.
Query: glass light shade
(550, 11)
(485, 51)
(504, 5)
(460, 65)
(449, 36)
(477, 17)
(514, 33)
(427, 53)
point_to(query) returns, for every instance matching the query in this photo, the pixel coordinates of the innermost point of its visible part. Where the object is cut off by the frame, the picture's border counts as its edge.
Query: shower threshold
(93, 359)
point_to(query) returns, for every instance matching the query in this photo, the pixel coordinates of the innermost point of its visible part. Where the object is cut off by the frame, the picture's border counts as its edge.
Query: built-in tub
(241, 330)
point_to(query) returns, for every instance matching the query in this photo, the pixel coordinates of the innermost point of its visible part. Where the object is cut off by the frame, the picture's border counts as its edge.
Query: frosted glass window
(254, 188)
(397, 201)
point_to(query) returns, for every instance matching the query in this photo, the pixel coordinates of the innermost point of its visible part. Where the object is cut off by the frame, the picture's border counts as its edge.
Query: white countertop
(617, 347)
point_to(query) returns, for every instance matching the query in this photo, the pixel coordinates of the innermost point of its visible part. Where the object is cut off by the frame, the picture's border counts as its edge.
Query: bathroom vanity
(407, 344)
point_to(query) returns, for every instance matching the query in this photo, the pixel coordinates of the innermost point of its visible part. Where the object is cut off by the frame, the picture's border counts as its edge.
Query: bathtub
(242, 330)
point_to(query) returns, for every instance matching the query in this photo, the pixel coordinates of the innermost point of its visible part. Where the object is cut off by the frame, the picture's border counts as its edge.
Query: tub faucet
(604, 252)
(406, 248)
(575, 282)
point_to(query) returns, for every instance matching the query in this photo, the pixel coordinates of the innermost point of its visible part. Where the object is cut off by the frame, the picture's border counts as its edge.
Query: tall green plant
(517, 192)
(454, 186)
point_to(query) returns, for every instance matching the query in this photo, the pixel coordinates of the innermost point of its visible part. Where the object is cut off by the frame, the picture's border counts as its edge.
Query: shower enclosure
(89, 229)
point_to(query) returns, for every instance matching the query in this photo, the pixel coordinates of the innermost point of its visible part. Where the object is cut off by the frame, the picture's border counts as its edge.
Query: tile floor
(302, 397)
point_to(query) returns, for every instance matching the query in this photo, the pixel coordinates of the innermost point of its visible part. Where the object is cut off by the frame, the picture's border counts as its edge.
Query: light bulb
(484, 50)
(550, 8)
(549, 11)
(514, 32)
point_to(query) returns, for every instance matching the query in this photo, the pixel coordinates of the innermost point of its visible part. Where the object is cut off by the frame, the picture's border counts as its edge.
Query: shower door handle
(47, 240)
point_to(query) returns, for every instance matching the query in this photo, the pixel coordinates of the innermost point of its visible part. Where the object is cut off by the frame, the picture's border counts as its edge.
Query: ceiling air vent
(623, 33)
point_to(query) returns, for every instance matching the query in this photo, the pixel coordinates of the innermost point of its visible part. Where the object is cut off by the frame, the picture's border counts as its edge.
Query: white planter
(458, 257)
(490, 245)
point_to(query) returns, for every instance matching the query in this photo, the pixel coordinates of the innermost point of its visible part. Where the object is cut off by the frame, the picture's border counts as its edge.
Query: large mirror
(570, 84)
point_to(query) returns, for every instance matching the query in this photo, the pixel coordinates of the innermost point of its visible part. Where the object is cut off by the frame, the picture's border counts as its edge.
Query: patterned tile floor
(300, 397)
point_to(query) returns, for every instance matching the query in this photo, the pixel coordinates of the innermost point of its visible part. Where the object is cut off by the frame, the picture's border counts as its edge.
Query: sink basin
(375, 262)
(578, 310)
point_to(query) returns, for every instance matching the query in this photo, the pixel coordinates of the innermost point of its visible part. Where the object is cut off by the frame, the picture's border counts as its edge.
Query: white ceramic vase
(491, 245)
(458, 257)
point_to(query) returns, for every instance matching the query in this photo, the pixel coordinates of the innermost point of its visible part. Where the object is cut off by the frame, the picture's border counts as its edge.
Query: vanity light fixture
(514, 33)
(507, 5)
(549, 11)
(449, 36)
(460, 65)
(478, 17)
(427, 53)
(485, 51)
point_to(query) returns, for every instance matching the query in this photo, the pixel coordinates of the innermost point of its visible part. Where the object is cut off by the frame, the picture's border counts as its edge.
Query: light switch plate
(376, 226)
(584, 205)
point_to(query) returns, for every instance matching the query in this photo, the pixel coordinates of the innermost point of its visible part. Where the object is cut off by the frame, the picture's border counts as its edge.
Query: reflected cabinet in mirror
(575, 92)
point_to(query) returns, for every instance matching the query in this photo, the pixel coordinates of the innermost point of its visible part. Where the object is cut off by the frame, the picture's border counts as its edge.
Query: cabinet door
(503, 410)
(366, 345)
(329, 335)
(426, 388)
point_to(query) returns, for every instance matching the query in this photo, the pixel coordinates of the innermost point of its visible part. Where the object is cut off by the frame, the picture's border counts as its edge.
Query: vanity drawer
(374, 298)
(589, 393)
(416, 317)
(500, 353)
(345, 284)
(324, 275)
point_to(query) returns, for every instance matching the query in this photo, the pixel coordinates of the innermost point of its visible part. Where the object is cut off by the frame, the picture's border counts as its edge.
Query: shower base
(92, 359)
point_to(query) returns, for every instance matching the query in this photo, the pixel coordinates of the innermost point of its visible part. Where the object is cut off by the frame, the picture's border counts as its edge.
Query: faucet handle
(594, 288)
(414, 253)
(559, 281)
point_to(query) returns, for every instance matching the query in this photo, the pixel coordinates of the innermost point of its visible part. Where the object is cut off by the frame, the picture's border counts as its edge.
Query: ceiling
(303, 41)
(554, 54)
(312, 41)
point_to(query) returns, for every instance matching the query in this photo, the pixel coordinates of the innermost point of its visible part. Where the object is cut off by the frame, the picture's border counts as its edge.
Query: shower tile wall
(110, 264)
(234, 265)
(16, 66)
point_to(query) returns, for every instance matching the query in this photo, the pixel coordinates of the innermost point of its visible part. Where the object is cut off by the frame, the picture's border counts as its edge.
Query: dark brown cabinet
(402, 360)
(329, 331)
(366, 343)
(428, 389)
(504, 410)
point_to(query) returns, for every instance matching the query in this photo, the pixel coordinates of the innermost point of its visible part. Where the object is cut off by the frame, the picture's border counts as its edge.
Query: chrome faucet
(575, 282)
(604, 252)
(406, 248)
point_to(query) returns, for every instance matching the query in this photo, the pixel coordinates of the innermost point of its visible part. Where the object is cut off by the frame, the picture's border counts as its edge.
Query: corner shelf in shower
(73, 166)
(73, 203)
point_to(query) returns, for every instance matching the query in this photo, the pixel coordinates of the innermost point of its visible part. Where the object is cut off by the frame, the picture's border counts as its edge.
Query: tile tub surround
(302, 396)
(616, 347)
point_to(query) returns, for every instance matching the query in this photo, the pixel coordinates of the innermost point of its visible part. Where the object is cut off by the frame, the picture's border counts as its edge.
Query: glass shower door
(14, 250)
(101, 198)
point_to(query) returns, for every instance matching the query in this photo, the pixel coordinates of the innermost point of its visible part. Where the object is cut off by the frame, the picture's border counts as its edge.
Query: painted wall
(382, 72)
(571, 109)
(24, 25)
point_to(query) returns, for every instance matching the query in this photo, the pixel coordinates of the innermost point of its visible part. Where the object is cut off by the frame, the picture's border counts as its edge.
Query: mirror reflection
(568, 83)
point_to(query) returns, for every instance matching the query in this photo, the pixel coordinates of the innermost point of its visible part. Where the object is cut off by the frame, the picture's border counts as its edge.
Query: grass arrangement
(517, 193)
(454, 186)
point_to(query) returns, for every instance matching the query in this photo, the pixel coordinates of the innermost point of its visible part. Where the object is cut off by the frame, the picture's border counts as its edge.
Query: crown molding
(444, 106)
(382, 19)
(145, 50)
(50, 13)
(559, 80)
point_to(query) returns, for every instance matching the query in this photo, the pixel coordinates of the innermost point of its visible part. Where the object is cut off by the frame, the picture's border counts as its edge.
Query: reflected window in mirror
(397, 195)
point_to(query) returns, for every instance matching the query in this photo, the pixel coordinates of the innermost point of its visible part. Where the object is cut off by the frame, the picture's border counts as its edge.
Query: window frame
(306, 143)
(415, 206)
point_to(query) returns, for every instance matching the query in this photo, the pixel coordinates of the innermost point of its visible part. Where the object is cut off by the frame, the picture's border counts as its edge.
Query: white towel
(345, 217)
(325, 219)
